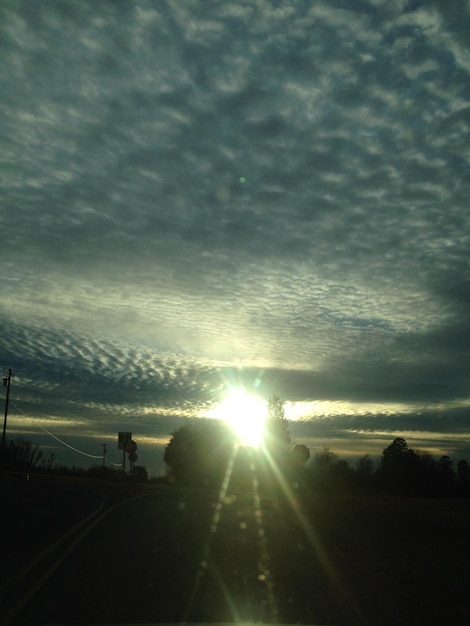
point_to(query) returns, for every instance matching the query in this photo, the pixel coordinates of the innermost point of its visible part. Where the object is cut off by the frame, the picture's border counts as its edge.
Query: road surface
(165, 555)
(174, 555)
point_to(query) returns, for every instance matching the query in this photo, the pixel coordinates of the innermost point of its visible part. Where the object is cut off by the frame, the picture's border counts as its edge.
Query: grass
(392, 560)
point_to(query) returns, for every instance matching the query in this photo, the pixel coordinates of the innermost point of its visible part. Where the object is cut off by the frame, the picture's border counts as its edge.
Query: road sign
(133, 457)
(123, 439)
(131, 446)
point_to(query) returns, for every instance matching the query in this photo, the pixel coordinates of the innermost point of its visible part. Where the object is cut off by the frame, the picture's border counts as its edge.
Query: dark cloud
(192, 189)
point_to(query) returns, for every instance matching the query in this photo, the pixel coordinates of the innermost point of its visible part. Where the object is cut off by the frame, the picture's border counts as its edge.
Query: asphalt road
(173, 555)
(107, 554)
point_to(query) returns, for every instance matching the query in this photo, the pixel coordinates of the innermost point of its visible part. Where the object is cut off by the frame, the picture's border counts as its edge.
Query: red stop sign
(131, 446)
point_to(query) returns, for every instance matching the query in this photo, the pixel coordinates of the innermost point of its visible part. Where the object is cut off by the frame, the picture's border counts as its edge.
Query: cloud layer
(194, 193)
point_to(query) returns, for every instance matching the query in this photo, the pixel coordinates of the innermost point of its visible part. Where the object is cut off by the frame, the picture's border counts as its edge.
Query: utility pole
(6, 383)
(104, 453)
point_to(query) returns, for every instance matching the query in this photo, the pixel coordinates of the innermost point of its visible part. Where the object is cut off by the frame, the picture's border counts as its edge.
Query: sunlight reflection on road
(260, 587)
(264, 569)
(204, 562)
(263, 575)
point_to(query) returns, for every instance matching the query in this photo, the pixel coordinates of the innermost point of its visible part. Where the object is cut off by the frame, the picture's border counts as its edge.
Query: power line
(92, 456)
(64, 443)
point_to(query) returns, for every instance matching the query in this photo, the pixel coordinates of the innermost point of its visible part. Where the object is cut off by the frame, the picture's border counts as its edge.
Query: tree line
(404, 471)
(204, 453)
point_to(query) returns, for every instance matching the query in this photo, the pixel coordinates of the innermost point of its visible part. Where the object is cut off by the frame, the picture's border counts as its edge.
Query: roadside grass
(395, 560)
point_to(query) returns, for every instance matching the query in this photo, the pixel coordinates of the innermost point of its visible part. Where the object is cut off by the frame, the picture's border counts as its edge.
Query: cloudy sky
(199, 194)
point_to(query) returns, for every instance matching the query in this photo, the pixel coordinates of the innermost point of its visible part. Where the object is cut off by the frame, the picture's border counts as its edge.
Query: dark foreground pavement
(166, 555)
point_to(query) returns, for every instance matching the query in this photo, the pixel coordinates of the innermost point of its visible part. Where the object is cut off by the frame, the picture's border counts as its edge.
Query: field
(391, 560)
(329, 558)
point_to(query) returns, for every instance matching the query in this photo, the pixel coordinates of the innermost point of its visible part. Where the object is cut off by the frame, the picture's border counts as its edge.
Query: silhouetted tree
(397, 450)
(404, 471)
(427, 475)
(446, 476)
(21, 455)
(342, 473)
(329, 472)
(463, 478)
(274, 462)
(199, 451)
(297, 471)
(48, 465)
(276, 428)
(365, 471)
(399, 466)
(324, 460)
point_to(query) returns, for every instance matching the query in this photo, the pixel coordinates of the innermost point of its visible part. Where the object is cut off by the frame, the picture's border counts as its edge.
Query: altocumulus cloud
(198, 194)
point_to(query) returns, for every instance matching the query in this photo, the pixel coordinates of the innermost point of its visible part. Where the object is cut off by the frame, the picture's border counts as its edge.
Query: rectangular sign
(123, 438)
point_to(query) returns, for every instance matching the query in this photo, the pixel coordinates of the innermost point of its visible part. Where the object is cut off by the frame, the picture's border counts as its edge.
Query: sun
(246, 414)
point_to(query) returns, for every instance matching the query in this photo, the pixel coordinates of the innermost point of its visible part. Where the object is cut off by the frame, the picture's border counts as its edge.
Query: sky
(197, 195)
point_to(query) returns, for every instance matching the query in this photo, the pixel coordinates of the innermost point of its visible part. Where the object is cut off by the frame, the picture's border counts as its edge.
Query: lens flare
(246, 414)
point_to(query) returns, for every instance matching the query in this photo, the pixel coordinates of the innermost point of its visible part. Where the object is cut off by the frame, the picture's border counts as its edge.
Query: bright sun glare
(245, 413)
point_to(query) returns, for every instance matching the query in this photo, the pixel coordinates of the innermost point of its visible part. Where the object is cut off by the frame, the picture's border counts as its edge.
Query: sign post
(123, 440)
(6, 383)
(131, 448)
(132, 459)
